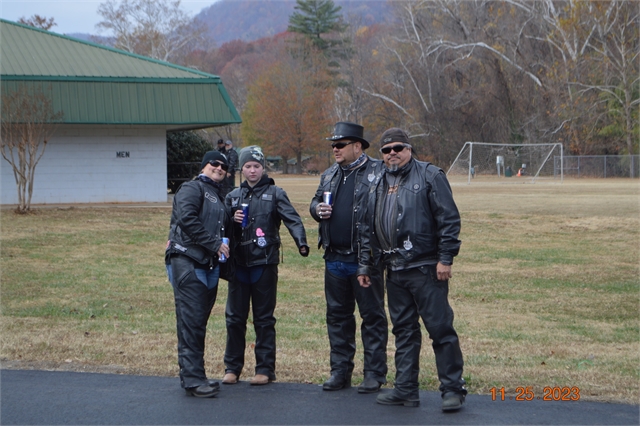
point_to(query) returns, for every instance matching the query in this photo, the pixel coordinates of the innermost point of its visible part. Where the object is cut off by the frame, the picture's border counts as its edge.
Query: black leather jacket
(198, 222)
(329, 181)
(427, 220)
(269, 206)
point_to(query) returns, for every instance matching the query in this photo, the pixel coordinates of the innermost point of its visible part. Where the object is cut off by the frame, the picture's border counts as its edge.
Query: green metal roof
(93, 84)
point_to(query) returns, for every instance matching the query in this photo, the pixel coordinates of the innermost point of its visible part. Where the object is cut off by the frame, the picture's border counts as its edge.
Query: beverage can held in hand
(327, 198)
(245, 212)
(222, 258)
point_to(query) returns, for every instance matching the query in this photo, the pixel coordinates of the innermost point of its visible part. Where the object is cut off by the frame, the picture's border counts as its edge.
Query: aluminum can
(327, 198)
(245, 212)
(222, 258)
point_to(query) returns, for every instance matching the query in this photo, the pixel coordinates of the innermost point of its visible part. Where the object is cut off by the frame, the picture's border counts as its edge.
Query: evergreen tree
(184, 153)
(315, 18)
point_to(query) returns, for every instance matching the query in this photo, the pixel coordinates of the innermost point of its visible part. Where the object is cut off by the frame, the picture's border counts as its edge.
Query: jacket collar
(263, 183)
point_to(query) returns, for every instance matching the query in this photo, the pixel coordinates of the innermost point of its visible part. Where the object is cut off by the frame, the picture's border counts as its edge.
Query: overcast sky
(73, 16)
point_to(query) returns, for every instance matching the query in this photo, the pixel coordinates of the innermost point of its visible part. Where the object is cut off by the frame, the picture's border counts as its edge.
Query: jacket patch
(262, 242)
(210, 197)
(407, 244)
(267, 197)
(179, 247)
(235, 201)
(371, 177)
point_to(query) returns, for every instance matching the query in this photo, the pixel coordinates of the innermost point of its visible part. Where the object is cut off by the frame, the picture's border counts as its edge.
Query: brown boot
(259, 380)
(230, 379)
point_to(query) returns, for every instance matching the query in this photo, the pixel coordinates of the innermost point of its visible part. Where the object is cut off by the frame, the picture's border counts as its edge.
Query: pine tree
(316, 18)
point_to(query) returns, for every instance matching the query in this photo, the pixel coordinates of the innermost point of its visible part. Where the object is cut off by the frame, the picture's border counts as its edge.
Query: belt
(345, 252)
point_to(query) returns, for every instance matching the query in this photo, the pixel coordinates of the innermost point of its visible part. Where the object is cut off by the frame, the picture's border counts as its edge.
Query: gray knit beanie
(251, 153)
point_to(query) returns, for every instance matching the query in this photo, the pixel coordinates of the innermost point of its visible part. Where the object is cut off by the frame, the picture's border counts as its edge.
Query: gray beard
(393, 168)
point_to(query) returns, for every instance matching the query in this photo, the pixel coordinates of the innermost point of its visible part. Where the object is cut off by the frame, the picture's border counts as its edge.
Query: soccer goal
(507, 163)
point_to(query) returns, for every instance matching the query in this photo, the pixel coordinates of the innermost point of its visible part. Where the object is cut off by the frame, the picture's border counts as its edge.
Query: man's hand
(364, 280)
(323, 210)
(443, 271)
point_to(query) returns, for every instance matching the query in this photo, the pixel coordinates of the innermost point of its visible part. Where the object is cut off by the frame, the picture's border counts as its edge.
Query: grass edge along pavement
(545, 292)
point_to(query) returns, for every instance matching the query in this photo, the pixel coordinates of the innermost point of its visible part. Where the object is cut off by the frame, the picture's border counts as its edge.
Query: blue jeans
(208, 277)
(342, 269)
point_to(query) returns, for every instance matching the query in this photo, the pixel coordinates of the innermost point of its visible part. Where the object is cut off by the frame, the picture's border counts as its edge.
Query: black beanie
(213, 156)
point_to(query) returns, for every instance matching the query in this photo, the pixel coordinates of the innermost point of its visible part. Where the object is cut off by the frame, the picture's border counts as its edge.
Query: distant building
(117, 106)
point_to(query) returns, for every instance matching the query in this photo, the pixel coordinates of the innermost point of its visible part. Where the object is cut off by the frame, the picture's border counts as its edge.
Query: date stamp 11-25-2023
(549, 393)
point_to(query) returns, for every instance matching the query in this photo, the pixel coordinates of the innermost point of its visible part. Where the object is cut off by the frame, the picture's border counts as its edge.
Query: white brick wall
(80, 165)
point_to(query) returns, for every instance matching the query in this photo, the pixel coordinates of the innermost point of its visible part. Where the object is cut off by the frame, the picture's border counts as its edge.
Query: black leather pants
(342, 293)
(194, 302)
(414, 294)
(261, 295)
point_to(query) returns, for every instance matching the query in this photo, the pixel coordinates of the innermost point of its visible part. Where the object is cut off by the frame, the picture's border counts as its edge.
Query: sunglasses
(395, 148)
(220, 164)
(340, 145)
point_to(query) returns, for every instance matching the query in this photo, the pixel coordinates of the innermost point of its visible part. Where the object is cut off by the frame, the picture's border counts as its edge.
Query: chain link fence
(599, 166)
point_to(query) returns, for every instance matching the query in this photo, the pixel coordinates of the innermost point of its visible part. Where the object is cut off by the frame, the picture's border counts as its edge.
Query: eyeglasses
(340, 145)
(395, 148)
(220, 164)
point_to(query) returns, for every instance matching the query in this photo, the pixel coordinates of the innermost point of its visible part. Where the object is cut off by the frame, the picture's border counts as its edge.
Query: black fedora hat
(351, 131)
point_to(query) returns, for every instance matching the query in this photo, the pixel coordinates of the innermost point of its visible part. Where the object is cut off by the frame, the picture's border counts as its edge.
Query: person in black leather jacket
(198, 223)
(413, 225)
(232, 158)
(256, 253)
(348, 181)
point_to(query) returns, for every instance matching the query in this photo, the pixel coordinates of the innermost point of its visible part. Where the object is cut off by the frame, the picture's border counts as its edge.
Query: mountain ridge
(251, 20)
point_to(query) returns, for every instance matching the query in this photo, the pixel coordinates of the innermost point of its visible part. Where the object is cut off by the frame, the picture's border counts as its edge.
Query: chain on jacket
(329, 181)
(427, 221)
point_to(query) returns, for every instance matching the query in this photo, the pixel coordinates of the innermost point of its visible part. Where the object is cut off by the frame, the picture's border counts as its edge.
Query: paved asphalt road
(52, 398)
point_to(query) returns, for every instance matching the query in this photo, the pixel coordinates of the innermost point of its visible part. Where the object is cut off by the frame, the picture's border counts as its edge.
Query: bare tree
(28, 122)
(614, 55)
(38, 21)
(156, 28)
(453, 69)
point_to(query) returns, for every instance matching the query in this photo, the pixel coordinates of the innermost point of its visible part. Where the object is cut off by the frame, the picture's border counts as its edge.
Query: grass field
(546, 291)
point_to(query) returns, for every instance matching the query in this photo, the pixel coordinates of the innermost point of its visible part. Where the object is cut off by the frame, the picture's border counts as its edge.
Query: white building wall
(97, 164)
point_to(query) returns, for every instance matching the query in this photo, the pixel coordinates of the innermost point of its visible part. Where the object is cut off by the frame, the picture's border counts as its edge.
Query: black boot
(391, 398)
(337, 382)
(370, 384)
(203, 391)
